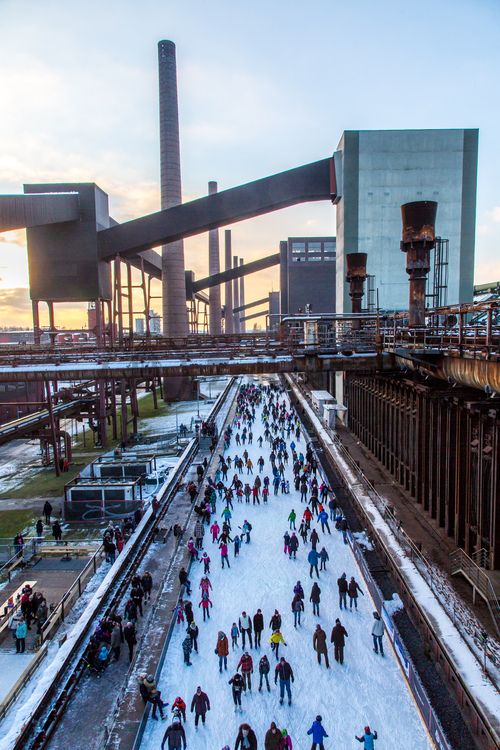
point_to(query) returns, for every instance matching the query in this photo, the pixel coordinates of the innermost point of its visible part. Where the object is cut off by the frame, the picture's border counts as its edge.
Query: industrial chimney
(419, 237)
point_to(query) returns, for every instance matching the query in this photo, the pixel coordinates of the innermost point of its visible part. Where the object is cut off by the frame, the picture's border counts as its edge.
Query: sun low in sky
(263, 87)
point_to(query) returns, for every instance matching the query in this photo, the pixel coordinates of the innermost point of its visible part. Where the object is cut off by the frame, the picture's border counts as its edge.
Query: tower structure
(215, 321)
(228, 291)
(175, 320)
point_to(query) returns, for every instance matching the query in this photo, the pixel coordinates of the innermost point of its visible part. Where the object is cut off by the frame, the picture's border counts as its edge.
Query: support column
(228, 287)
(242, 298)
(356, 275)
(215, 322)
(236, 298)
(419, 237)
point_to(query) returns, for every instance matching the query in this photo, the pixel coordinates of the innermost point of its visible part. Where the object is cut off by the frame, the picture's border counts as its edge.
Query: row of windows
(313, 258)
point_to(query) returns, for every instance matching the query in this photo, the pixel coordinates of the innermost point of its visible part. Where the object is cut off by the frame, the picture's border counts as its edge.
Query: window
(314, 247)
(329, 257)
(298, 247)
(329, 247)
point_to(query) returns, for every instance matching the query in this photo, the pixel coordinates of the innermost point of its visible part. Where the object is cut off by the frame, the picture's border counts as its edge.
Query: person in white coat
(377, 633)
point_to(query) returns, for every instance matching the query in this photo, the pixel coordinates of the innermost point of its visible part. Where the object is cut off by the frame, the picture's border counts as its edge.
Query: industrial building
(307, 274)
(383, 169)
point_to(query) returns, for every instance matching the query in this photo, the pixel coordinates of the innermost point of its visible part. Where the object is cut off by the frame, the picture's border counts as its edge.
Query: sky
(263, 86)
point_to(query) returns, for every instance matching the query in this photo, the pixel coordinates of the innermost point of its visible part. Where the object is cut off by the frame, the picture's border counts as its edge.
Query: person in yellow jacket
(275, 641)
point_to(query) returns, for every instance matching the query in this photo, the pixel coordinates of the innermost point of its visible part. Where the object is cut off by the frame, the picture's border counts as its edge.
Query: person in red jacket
(246, 664)
(205, 604)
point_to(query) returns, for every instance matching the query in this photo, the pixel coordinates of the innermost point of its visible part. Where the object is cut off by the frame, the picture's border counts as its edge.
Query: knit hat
(284, 732)
(367, 729)
(318, 718)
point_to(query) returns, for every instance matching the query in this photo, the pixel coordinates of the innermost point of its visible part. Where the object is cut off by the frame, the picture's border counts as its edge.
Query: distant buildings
(307, 274)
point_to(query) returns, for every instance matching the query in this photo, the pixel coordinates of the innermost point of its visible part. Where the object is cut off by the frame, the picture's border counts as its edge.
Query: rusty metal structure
(419, 237)
(356, 276)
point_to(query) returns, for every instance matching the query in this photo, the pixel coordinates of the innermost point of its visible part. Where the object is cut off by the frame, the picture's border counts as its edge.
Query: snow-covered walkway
(366, 689)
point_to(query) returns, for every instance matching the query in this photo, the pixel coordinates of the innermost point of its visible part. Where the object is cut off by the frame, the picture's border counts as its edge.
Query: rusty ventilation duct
(356, 275)
(419, 237)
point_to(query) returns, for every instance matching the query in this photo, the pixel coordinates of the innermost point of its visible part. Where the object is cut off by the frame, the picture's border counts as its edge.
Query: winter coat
(275, 623)
(286, 539)
(272, 741)
(339, 634)
(222, 646)
(116, 638)
(258, 622)
(21, 630)
(294, 543)
(283, 671)
(323, 555)
(315, 594)
(319, 641)
(199, 530)
(240, 739)
(314, 537)
(378, 627)
(200, 703)
(353, 589)
(318, 732)
(313, 557)
(322, 517)
(368, 739)
(286, 743)
(237, 682)
(245, 623)
(175, 736)
(264, 665)
(342, 584)
(297, 589)
(277, 638)
(223, 549)
(246, 664)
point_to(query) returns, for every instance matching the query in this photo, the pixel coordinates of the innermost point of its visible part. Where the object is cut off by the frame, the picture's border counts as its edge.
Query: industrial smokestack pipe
(228, 291)
(418, 238)
(175, 320)
(215, 320)
(356, 275)
(242, 297)
(236, 298)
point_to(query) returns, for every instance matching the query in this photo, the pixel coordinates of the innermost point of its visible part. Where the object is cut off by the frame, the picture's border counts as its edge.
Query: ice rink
(366, 689)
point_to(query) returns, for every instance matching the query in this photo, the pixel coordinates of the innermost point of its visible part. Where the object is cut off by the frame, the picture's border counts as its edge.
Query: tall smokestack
(236, 298)
(215, 321)
(175, 320)
(228, 292)
(419, 237)
(242, 298)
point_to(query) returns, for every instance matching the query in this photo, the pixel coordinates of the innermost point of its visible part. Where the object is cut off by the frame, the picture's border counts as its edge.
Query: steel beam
(255, 315)
(311, 182)
(262, 301)
(236, 272)
(21, 211)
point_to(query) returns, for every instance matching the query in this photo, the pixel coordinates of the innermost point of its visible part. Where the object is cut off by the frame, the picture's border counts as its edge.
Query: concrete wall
(308, 281)
(383, 169)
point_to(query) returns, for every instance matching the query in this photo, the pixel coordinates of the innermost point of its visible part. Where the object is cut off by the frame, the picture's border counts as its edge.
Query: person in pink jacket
(286, 741)
(224, 554)
(215, 528)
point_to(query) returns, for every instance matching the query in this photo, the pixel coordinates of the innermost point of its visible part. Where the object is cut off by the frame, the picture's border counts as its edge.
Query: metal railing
(461, 563)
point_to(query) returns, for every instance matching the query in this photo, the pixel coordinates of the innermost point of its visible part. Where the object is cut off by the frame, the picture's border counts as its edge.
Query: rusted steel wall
(441, 445)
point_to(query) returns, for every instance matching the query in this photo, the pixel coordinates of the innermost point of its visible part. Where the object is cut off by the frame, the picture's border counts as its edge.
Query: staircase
(472, 569)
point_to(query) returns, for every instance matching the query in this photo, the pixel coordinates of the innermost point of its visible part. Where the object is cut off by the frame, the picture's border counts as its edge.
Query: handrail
(460, 562)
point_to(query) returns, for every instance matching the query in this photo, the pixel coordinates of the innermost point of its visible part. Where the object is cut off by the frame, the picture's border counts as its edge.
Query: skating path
(365, 690)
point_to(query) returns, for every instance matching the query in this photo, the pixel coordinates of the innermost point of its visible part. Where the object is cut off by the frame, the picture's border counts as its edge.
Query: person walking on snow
(291, 518)
(352, 590)
(200, 705)
(246, 664)
(187, 647)
(318, 734)
(312, 559)
(246, 529)
(343, 588)
(224, 554)
(275, 640)
(273, 738)
(314, 539)
(319, 644)
(293, 546)
(323, 556)
(339, 634)
(286, 741)
(323, 519)
(234, 636)
(193, 632)
(315, 598)
(245, 624)
(205, 604)
(286, 543)
(238, 685)
(222, 650)
(258, 627)
(175, 736)
(377, 634)
(284, 672)
(206, 563)
(264, 672)
(214, 530)
(275, 622)
(205, 584)
(368, 738)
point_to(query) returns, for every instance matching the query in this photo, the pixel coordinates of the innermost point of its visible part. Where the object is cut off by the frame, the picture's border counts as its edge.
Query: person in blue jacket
(323, 519)
(318, 734)
(312, 559)
(368, 738)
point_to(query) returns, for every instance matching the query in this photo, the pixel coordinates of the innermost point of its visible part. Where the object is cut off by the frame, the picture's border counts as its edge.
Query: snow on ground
(365, 690)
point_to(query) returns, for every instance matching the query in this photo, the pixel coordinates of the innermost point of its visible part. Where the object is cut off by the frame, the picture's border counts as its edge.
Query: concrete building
(307, 274)
(381, 170)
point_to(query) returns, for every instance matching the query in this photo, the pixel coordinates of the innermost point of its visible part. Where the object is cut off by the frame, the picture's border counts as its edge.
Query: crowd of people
(236, 480)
